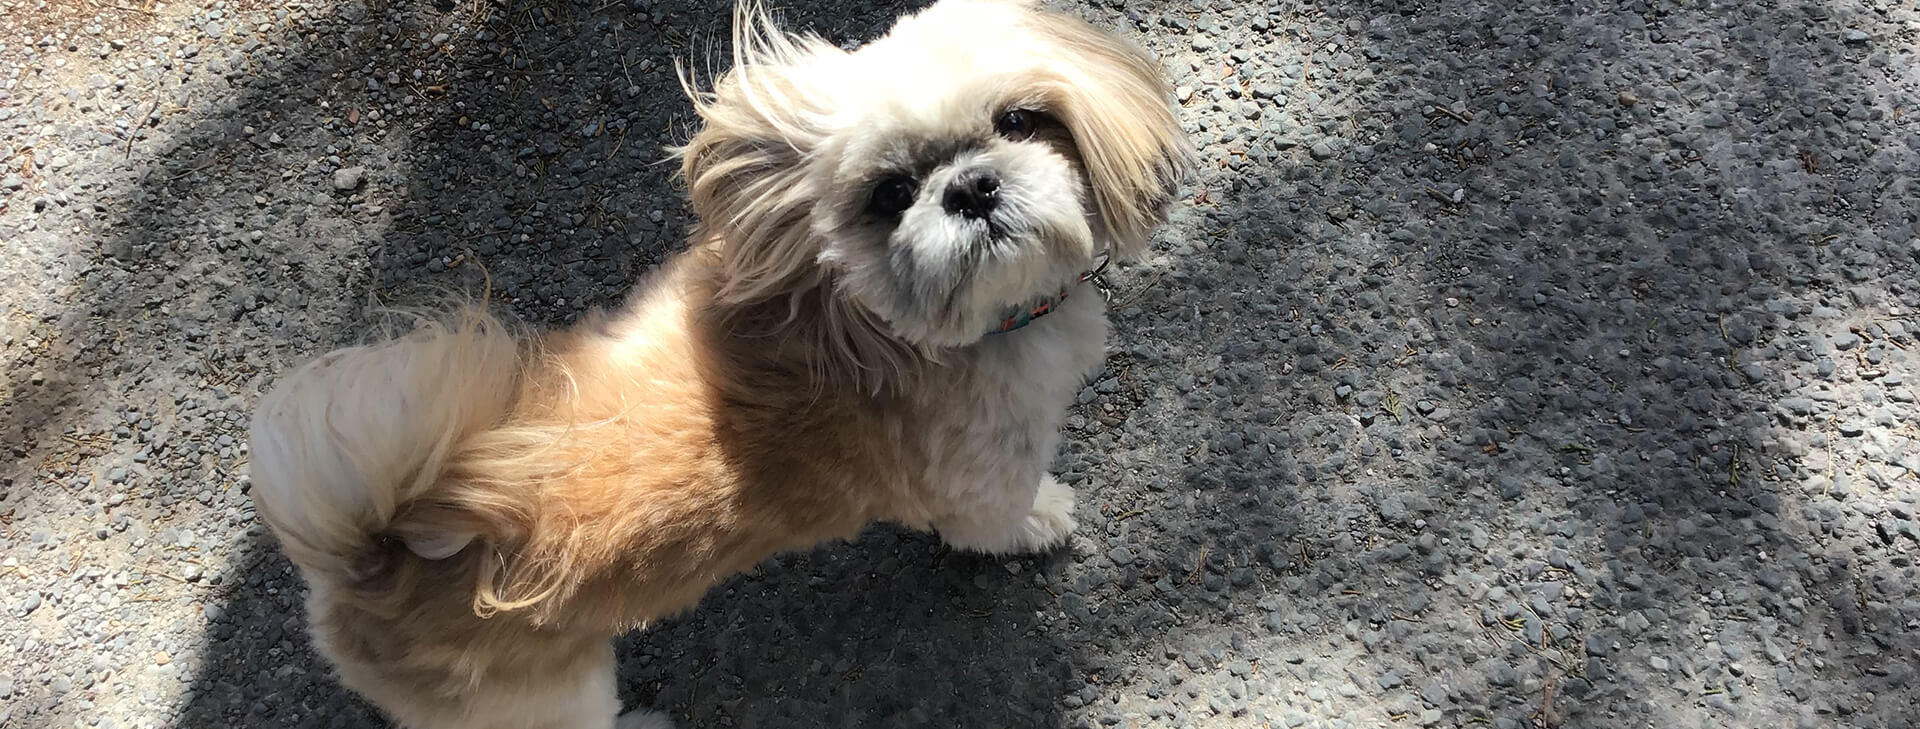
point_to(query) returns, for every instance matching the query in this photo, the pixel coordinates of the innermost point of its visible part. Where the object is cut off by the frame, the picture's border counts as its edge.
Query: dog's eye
(892, 196)
(1018, 125)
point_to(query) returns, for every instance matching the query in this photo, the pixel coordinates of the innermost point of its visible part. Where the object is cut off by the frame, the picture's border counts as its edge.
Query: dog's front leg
(1013, 521)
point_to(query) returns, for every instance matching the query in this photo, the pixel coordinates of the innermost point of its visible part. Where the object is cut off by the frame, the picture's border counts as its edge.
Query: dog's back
(476, 513)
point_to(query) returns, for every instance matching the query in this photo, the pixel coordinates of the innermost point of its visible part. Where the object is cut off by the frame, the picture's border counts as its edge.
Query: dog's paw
(1050, 521)
(1044, 524)
(643, 719)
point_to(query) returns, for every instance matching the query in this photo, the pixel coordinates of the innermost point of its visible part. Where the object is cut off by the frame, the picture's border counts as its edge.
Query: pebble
(1637, 623)
(1511, 488)
(347, 179)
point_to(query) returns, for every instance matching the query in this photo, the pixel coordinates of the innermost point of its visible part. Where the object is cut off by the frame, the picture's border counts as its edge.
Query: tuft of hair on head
(747, 167)
(751, 186)
(1114, 98)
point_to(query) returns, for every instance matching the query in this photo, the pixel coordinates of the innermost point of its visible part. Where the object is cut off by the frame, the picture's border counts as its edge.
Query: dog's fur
(477, 512)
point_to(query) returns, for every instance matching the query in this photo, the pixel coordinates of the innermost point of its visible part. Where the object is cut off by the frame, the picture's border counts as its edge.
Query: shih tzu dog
(883, 315)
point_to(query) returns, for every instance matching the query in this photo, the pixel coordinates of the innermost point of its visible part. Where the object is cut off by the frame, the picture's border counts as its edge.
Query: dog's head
(982, 154)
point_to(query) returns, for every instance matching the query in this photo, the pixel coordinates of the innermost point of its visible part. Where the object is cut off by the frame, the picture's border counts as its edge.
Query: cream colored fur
(477, 511)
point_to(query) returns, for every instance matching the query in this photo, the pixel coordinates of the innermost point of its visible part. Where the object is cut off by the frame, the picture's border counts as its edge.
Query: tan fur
(478, 511)
(646, 455)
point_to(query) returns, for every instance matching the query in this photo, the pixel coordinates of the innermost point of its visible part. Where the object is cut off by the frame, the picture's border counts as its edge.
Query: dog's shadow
(892, 630)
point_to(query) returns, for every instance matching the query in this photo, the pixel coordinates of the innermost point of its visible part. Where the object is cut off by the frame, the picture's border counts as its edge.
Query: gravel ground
(1512, 364)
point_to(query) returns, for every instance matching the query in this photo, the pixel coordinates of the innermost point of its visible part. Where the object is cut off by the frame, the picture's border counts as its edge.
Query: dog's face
(979, 156)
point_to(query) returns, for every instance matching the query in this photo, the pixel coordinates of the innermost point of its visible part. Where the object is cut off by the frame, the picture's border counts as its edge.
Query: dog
(882, 315)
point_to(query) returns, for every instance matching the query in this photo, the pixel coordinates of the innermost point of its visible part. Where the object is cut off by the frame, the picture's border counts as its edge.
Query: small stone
(30, 604)
(1637, 622)
(1504, 676)
(1393, 510)
(1323, 149)
(1628, 99)
(1184, 94)
(347, 179)
(1120, 556)
(161, 658)
(1856, 35)
(1596, 670)
(440, 39)
(1511, 488)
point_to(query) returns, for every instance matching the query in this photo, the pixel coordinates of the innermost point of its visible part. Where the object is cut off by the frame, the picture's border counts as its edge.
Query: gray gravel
(1512, 364)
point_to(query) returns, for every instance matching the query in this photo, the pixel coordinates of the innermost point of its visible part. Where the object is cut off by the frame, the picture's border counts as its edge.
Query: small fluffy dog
(882, 315)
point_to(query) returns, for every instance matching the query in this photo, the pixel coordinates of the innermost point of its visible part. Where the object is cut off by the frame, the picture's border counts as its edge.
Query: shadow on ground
(1524, 314)
(848, 635)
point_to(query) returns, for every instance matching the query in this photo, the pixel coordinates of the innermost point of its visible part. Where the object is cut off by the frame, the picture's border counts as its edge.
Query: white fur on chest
(993, 430)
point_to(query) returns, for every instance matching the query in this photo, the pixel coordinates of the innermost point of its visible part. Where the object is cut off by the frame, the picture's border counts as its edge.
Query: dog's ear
(1115, 101)
(746, 169)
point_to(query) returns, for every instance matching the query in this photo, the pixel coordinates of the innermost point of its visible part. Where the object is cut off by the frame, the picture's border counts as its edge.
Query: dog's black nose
(973, 194)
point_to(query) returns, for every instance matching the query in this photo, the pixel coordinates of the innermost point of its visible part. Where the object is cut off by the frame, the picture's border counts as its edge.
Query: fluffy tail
(347, 449)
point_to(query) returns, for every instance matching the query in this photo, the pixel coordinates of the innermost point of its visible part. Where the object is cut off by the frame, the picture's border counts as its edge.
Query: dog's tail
(350, 453)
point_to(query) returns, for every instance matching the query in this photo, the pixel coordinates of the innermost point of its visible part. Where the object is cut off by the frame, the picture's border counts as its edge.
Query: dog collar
(1018, 317)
